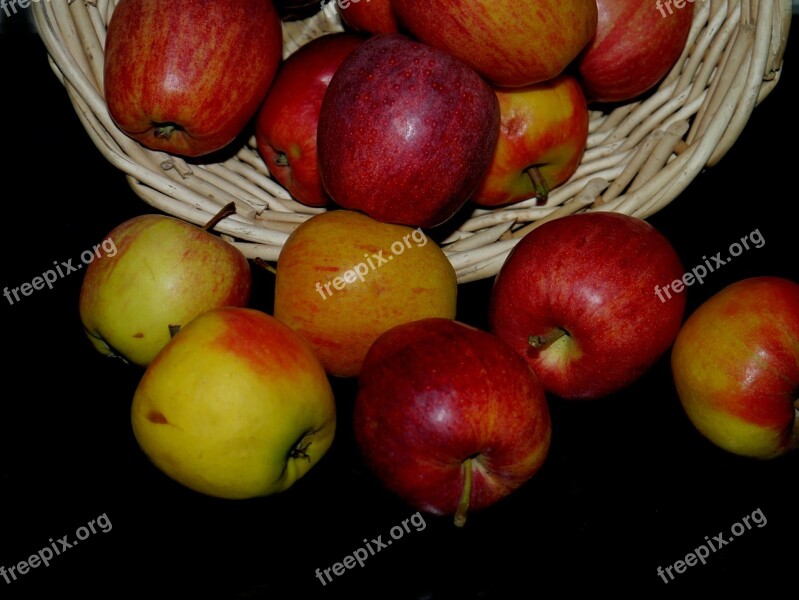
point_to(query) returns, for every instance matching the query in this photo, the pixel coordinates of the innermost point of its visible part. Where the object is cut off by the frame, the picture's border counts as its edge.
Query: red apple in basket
(636, 45)
(406, 132)
(542, 138)
(448, 417)
(186, 76)
(509, 42)
(285, 129)
(577, 299)
(372, 16)
(735, 364)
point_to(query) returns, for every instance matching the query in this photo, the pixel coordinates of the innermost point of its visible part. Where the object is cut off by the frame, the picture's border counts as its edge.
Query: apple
(448, 417)
(235, 406)
(186, 76)
(344, 278)
(542, 138)
(285, 128)
(577, 298)
(735, 365)
(371, 16)
(406, 132)
(636, 45)
(512, 43)
(164, 273)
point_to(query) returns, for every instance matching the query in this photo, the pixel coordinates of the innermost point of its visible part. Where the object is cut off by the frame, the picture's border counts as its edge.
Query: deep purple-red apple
(406, 132)
(285, 129)
(635, 46)
(448, 417)
(577, 298)
(511, 43)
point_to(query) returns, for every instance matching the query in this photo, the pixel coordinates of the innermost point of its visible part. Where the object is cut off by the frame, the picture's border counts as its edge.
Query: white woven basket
(639, 157)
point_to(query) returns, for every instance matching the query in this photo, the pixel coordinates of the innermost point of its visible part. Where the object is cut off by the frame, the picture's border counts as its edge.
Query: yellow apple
(165, 272)
(343, 278)
(235, 406)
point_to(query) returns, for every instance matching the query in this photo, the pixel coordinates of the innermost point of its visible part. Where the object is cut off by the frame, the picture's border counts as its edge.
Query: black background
(628, 485)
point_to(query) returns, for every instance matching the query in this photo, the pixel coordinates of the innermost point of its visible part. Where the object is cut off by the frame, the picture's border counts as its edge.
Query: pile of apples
(394, 125)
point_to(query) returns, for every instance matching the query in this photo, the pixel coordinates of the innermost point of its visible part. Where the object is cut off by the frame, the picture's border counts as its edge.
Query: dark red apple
(186, 76)
(406, 132)
(285, 129)
(578, 299)
(448, 417)
(635, 46)
(372, 16)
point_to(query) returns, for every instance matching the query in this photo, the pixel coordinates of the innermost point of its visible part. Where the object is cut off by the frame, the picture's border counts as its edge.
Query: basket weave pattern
(639, 157)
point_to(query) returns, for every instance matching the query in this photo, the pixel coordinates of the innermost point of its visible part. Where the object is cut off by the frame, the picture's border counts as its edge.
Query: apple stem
(165, 131)
(262, 263)
(542, 341)
(227, 210)
(466, 494)
(173, 330)
(281, 160)
(540, 185)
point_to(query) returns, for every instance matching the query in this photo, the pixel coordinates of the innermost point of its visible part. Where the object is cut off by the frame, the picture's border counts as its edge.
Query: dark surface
(628, 485)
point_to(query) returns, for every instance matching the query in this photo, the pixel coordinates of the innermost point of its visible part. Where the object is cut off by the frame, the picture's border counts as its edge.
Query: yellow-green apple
(511, 43)
(406, 132)
(542, 138)
(235, 406)
(285, 128)
(164, 273)
(577, 298)
(344, 278)
(449, 417)
(371, 16)
(635, 46)
(186, 76)
(735, 365)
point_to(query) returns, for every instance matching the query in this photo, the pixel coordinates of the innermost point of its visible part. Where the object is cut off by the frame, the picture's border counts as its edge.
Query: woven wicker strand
(639, 157)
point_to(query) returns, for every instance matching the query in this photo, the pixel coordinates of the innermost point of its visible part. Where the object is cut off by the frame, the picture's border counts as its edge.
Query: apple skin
(235, 406)
(186, 76)
(164, 273)
(592, 275)
(340, 326)
(735, 365)
(285, 129)
(436, 392)
(544, 126)
(634, 48)
(406, 132)
(370, 16)
(512, 43)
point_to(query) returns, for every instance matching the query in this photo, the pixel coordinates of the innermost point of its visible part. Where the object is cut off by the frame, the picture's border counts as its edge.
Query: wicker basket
(639, 156)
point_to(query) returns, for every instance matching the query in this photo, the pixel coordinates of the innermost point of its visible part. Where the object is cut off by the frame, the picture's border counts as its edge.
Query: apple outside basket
(640, 156)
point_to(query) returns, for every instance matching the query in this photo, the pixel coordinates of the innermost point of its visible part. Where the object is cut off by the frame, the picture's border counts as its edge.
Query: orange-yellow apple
(165, 272)
(511, 43)
(735, 364)
(344, 278)
(542, 137)
(235, 406)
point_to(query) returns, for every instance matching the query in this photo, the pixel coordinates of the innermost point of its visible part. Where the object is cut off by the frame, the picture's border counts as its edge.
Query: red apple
(636, 45)
(448, 417)
(577, 298)
(285, 129)
(542, 138)
(372, 16)
(511, 43)
(406, 132)
(735, 364)
(186, 76)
